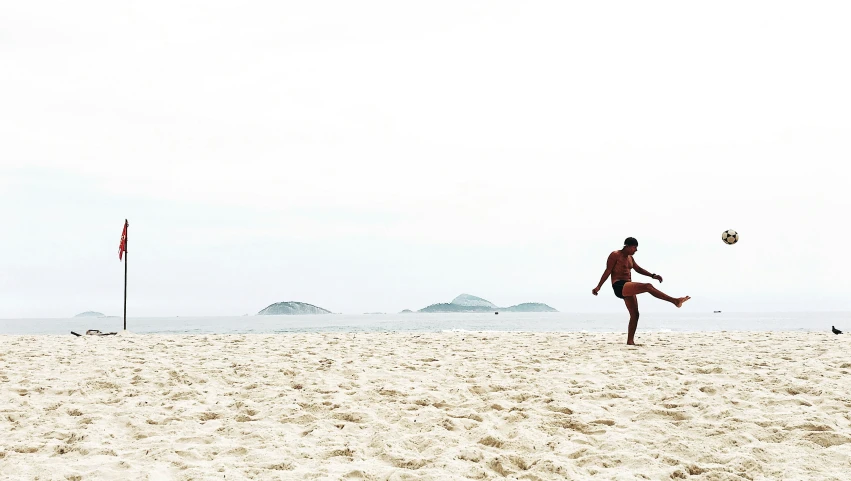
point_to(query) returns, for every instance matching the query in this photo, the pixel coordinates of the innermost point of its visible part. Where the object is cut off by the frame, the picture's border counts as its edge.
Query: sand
(456, 405)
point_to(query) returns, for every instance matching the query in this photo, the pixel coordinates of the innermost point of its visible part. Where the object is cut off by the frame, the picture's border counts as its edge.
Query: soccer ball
(730, 236)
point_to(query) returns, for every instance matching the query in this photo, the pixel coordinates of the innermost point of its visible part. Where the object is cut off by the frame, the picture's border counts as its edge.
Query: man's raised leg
(635, 288)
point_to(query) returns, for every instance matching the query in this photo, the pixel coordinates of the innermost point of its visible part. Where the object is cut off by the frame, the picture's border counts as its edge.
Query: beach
(444, 405)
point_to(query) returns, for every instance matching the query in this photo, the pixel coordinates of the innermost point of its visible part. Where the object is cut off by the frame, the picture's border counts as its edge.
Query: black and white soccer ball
(730, 236)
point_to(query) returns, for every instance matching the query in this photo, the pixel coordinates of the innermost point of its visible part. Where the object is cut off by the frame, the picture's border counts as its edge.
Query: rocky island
(90, 314)
(468, 303)
(291, 308)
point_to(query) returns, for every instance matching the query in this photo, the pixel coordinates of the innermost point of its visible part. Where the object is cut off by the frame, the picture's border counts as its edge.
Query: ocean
(440, 322)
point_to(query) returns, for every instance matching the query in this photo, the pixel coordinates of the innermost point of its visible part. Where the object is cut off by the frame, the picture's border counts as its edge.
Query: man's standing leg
(632, 306)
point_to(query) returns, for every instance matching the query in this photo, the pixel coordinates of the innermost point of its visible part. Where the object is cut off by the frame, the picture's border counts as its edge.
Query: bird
(835, 330)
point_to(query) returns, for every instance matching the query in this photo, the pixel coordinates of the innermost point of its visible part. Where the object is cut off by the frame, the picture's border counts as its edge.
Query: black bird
(835, 330)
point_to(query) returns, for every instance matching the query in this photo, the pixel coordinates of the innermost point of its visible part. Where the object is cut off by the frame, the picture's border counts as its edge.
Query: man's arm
(644, 272)
(610, 264)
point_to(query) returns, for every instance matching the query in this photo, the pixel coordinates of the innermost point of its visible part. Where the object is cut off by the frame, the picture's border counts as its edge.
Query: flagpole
(126, 226)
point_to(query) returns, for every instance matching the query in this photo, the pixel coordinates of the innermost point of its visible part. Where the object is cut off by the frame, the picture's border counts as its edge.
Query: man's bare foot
(680, 301)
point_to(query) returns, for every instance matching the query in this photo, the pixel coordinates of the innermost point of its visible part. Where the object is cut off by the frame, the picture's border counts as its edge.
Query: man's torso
(622, 271)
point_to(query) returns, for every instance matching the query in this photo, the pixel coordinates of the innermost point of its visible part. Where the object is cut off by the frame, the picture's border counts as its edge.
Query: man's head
(630, 245)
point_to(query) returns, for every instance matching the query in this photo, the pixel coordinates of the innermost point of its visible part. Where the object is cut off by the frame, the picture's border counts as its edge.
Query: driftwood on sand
(95, 332)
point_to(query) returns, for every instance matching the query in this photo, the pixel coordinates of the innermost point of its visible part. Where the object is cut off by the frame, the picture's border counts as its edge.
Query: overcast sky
(379, 156)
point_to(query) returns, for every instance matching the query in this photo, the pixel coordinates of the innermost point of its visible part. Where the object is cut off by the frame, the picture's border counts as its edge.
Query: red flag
(122, 247)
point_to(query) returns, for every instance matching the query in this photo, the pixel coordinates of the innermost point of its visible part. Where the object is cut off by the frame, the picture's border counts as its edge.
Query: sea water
(679, 321)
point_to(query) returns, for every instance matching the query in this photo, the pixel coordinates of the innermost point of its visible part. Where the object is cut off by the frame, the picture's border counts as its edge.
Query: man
(619, 266)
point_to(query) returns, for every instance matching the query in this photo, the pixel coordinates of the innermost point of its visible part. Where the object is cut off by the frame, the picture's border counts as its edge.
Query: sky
(376, 156)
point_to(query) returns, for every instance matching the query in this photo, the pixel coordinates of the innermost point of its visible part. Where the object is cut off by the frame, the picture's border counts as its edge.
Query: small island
(468, 303)
(292, 308)
(529, 307)
(90, 314)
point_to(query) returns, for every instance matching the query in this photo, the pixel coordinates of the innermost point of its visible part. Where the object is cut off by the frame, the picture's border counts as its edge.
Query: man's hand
(595, 290)
(657, 277)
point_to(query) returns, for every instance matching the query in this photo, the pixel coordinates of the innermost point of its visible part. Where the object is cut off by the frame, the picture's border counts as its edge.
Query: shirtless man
(619, 266)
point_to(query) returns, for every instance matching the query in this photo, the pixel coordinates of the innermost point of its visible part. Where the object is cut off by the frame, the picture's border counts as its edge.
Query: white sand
(426, 406)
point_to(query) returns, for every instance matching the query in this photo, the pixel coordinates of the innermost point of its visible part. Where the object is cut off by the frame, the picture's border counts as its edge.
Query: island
(90, 314)
(468, 303)
(292, 308)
